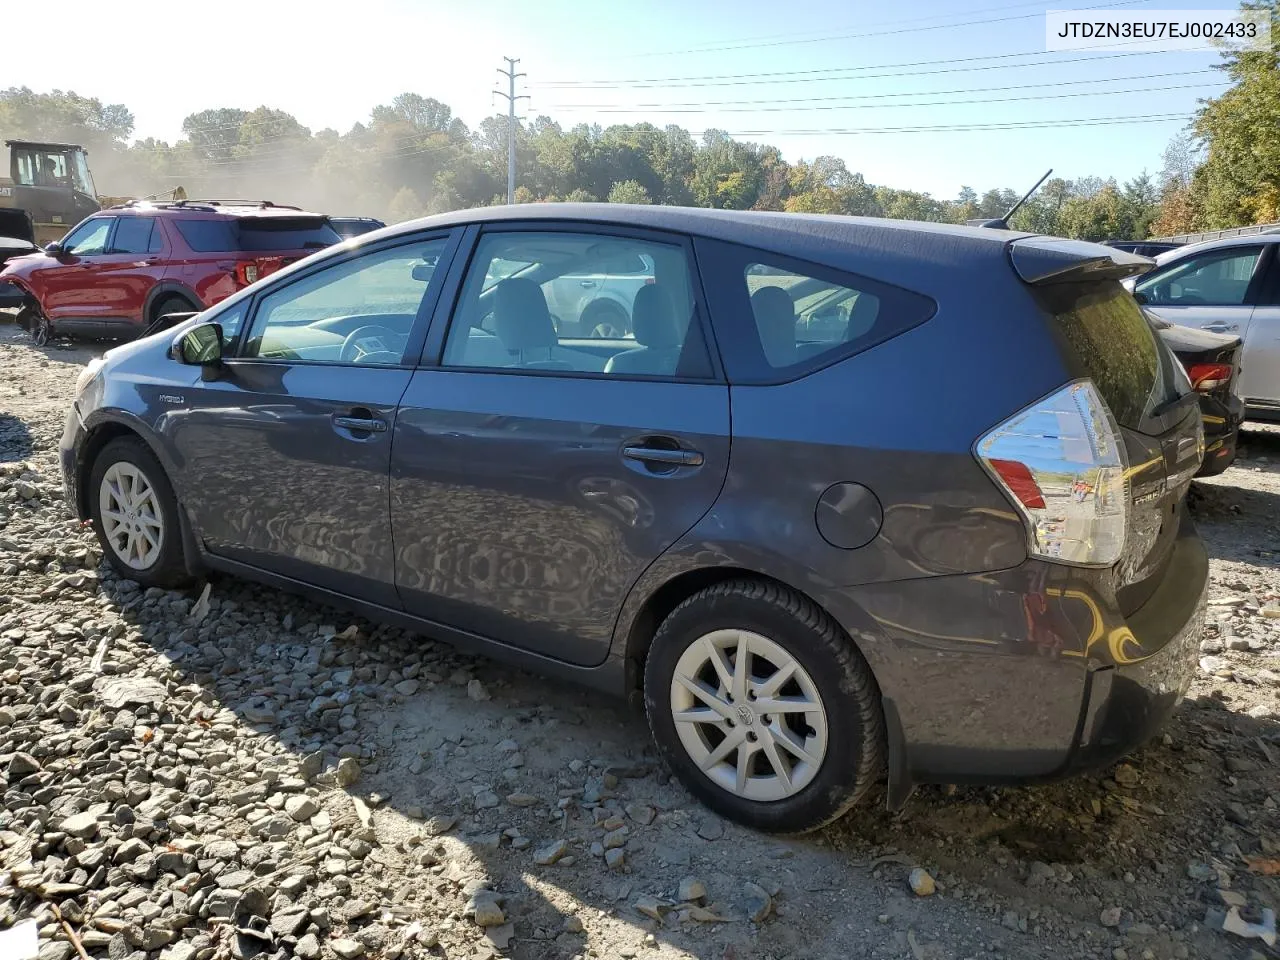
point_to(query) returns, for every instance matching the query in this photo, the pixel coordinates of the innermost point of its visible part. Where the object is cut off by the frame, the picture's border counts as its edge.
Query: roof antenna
(1002, 223)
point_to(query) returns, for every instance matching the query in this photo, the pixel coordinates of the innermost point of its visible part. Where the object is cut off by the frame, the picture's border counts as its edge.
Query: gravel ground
(258, 775)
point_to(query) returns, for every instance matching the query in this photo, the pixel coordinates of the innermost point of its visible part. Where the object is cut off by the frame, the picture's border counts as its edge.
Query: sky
(818, 77)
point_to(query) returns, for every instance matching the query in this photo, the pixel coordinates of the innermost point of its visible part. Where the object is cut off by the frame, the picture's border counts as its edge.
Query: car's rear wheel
(172, 305)
(136, 514)
(604, 320)
(763, 707)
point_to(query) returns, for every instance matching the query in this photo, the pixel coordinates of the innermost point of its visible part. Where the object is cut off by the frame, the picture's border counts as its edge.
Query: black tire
(855, 758)
(168, 568)
(604, 319)
(173, 304)
(38, 326)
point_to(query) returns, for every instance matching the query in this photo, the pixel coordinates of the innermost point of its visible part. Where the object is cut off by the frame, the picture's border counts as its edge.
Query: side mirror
(1140, 297)
(55, 249)
(201, 346)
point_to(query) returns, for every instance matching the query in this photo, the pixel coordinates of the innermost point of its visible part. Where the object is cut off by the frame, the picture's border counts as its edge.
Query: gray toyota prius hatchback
(838, 500)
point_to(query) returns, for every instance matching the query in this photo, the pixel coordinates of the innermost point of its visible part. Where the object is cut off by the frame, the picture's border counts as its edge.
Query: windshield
(81, 178)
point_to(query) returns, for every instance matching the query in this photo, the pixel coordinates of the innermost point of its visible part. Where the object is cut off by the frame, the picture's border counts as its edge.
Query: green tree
(1239, 182)
(628, 191)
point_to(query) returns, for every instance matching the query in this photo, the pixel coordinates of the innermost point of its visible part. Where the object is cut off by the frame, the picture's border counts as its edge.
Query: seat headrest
(776, 320)
(520, 316)
(653, 317)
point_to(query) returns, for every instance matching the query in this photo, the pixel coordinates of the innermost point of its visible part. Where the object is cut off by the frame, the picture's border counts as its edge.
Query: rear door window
(133, 235)
(777, 319)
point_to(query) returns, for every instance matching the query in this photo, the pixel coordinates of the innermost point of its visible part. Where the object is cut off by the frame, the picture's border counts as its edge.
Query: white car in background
(1226, 286)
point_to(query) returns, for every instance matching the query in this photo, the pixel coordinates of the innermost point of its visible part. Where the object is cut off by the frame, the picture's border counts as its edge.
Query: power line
(896, 106)
(882, 96)
(966, 128)
(810, 76)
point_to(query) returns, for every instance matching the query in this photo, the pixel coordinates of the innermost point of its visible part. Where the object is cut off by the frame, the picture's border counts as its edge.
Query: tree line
(414, 157)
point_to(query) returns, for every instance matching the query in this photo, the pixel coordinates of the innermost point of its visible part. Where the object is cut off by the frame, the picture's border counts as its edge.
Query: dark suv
(120, 270)
(850, 498)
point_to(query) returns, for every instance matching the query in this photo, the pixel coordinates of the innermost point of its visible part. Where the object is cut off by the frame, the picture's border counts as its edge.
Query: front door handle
(673, 458)
(588, 284)
(1218, 326)
(363, 424)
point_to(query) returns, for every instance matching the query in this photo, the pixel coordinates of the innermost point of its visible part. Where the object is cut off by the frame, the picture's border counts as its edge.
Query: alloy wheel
(749, 715)
(131, 519)
(41, 330)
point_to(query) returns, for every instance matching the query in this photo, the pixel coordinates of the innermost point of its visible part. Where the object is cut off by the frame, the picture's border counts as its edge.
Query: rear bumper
(1127, 702)
(1028, 673)
(1222, 422)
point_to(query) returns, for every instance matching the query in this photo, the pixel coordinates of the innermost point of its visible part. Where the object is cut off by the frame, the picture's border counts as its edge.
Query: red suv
(120, 270)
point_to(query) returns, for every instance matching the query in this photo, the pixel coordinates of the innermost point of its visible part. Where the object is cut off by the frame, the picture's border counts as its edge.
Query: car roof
(203, 211)
(1249, 240)
(891, 250)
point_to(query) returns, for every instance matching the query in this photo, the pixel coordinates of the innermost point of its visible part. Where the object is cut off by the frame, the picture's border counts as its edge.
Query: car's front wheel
(33, 320)
(763, 708)
(135, 514)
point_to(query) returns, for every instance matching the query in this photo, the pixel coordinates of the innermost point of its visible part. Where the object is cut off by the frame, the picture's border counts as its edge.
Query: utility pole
(510, 94)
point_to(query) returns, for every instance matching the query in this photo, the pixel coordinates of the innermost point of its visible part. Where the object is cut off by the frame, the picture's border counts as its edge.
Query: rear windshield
(1113, 345)
(257, 234)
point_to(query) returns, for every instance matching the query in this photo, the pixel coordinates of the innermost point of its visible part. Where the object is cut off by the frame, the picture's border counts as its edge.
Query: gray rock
(691, 889)
(290, 921)
(476, 690)
(308, 947)
(311, 765)
(346, 948)
(82, 825)
(1039, 874)
(711, 829)
(301, 808)
(615, 858)
(407, 688)
(553, 851)
(484, 909)
(758, 903)
(1110, 917)
(641, 813)
(22, 765)
(348, 771)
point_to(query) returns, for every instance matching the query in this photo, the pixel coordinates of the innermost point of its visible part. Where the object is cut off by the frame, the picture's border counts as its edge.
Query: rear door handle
(363, 424)
(674, 458)
(586, 283)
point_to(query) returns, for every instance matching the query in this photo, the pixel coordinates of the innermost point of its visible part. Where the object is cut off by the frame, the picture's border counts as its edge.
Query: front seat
(524, 325)
(776, 321)
(653, 321)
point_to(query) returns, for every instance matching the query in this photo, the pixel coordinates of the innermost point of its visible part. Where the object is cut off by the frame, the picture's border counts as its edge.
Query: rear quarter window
(777, 319)
(207, 236)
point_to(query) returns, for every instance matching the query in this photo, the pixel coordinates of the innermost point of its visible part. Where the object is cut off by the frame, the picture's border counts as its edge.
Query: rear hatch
(1104, 336)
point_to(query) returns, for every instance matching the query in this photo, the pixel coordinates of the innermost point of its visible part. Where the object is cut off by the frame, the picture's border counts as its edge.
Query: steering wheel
(370, 340)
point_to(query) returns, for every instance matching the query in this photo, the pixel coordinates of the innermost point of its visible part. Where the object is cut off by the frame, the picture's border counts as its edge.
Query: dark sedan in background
(1212, 362)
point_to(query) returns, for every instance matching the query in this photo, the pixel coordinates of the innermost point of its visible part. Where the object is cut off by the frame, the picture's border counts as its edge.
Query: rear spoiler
(1056, 260)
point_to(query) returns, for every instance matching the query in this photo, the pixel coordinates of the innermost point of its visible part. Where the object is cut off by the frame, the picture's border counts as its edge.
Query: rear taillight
(246, 273)
(1062, 463)
(1205, 377)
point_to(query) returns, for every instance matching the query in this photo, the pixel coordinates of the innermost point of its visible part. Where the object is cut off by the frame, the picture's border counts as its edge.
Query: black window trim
(342, 254)
(1252, 292)
(433, 352)
(764, 374)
